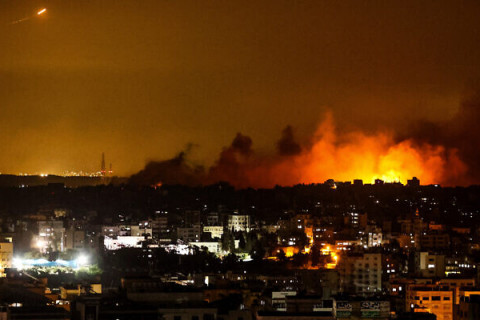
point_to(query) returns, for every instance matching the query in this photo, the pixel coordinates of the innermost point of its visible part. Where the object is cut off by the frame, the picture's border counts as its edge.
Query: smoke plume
(436, 152)
(461, 133)
(287, 146)
(172, 171)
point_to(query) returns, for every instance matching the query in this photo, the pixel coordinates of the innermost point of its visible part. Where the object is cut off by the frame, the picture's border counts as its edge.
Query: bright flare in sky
(42, 11)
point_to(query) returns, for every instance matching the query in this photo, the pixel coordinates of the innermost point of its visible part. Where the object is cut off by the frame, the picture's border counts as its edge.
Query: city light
(82, 260)
(41, 244)
(17, 263)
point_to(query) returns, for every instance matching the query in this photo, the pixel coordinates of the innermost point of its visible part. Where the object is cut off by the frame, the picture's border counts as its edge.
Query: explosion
(328, 155)
(370, 157)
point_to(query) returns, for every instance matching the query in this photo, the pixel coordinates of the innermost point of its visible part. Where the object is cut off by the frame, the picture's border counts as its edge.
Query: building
(213, 219)
(191, 218)
(74, 239)
(413, 226)
(111, 231)
(361, 274)
(67, 292)
(51, 236)
(364, 309)
(405, 241)
(469, 308)
(6, 256)
(123, 242)
(358, 182)
(160, 226)
(237, 222)
(458, 265)
(189, 234)
(307, 303)
(356, 220)
(430, 298)
(460, 287)
(374, 236)
(346, 245)
(435, 240)
(142, 229)
(279, 299)
(414, 182)
(429, 265)
(215, 231)
(213, 246)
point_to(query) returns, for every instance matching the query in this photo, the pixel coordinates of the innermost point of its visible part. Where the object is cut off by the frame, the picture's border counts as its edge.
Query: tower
(103, 169)
(110, 172)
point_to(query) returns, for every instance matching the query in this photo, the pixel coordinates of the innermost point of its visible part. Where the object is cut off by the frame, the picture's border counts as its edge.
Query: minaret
(110, 172)
(103, 169)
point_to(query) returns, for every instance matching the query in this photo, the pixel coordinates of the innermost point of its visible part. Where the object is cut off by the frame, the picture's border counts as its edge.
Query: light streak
(40, 12)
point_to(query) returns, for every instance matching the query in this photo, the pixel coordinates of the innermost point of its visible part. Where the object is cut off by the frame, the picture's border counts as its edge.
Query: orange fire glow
(328, 251)
(357, 155)
(290, 251)
(329, 154)
(369, 158)
(309, 235)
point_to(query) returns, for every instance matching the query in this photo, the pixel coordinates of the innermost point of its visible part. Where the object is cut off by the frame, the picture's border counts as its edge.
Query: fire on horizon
(328, 155)
(377, 90)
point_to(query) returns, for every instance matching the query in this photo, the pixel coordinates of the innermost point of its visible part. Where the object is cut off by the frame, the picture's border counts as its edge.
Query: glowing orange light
(309, 235)
(290, 251)
(358, 155)
(42, 11)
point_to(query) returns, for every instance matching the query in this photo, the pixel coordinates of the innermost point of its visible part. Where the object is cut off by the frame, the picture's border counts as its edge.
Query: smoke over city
(459, 135)
(435, 152)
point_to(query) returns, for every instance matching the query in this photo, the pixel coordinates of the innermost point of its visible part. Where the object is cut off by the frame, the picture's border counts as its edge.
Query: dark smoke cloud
(237, 164)
(461, 133)
(232, 161)
(287, 146)
(445, 152)
(230, 166)
(241, 145)
(171, 171)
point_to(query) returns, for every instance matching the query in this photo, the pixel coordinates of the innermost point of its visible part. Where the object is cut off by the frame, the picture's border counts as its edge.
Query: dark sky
(139, 80)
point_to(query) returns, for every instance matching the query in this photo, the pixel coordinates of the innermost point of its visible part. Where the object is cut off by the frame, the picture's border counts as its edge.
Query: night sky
(141, 80)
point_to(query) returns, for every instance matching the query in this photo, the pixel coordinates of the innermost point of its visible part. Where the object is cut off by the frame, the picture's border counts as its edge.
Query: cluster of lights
(82, 174)
(82, 260)
(328, 251)
(23, 174)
